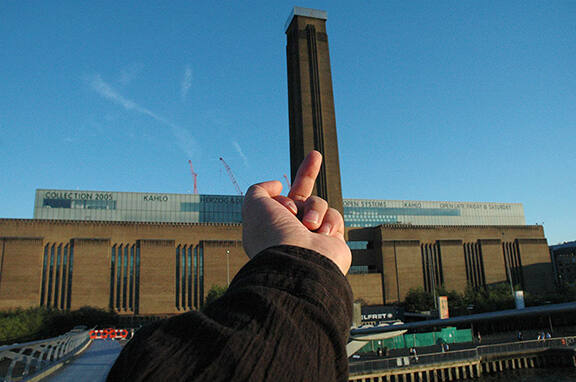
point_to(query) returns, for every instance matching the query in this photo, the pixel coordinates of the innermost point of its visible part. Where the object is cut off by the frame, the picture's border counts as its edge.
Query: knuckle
(317, 202)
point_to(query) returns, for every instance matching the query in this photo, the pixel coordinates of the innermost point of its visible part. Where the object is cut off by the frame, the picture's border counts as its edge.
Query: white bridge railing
(20, 362)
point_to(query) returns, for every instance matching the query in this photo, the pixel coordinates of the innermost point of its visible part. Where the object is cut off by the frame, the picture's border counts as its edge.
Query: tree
(418, 300)
(215, 292)
(35, 323)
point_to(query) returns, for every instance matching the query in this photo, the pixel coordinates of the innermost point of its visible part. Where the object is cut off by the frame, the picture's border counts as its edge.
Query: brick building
(160, 254)
(168, 268)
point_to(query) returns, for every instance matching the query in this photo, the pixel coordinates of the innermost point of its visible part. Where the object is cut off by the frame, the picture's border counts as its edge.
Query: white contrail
(185, 140)
(239, 149)
(186, 82)
(129, 73)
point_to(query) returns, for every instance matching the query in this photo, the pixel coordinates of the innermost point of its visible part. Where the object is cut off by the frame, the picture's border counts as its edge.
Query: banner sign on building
(443, 307)
(374, 315)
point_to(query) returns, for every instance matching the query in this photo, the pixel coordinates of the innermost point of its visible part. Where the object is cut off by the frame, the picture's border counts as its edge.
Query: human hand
(300, 219)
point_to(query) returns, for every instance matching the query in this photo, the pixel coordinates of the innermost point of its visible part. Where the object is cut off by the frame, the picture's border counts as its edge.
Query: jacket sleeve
(285, 317)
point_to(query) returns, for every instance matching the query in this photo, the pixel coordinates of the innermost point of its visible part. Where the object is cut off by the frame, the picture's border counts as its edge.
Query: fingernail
(325, 229)
(311, 217)
(292, 206)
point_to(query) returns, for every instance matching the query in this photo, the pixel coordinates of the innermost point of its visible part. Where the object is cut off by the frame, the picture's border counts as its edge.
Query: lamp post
(228, 267)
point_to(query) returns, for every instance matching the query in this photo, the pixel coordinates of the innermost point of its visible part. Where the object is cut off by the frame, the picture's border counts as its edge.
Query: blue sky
(453, 100)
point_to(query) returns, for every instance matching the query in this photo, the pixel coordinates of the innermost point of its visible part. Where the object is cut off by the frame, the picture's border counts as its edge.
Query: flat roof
(307, 12)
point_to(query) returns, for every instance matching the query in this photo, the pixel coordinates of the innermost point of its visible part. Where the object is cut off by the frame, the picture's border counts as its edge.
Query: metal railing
(525, 346)
(419, 360)
(474, 354)
(20, 362)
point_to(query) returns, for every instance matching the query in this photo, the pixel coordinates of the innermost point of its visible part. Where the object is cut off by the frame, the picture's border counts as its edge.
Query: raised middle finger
(303, 184)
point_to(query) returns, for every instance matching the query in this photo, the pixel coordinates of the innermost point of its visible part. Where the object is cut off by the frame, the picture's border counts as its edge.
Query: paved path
(92, 365)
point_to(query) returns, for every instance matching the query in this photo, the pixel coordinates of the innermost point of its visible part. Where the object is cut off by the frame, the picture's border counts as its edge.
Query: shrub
(215, 292)
(22, 325)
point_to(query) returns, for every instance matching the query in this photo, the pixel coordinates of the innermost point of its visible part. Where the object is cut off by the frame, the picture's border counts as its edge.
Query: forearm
(286, 316)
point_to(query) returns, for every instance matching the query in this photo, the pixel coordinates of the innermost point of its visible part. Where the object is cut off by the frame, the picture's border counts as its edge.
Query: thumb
(268, 189)
(257, 192)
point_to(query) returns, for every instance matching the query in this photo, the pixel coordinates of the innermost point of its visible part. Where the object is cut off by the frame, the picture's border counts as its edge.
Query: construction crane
(229, 171)
(287, 181)
(195, 176)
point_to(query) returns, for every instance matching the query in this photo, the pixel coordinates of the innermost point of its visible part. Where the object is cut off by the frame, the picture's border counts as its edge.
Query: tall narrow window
(119, 276)
(513, 263)
(196, 306)
(425, 266)
(137, 281)
(131, 267)
(69, 277)
(57, 277)
(190, 270)
(44, 271)
(474, 265)
(433, 277)
(64, 275)
(183, 279)
(438, 269)
(112, 275)
(56, 284)
(481, 272)
(125, 278)
(201, 274)
(178, 277)
(50, 274)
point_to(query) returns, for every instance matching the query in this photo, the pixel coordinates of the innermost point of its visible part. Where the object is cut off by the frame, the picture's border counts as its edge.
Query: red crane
(229, 171)
(287, 181)
(194, 175)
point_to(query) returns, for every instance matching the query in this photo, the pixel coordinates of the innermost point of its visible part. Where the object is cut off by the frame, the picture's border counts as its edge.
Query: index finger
(303, 184)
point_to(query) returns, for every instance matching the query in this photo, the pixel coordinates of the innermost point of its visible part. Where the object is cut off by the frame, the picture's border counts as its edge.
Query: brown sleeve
(285, 317)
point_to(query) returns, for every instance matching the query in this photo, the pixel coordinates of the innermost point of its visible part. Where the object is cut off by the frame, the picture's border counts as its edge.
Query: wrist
(335, 250)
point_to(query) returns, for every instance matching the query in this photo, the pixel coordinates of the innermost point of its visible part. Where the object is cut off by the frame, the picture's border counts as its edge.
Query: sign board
(375, 315)
(443, 307)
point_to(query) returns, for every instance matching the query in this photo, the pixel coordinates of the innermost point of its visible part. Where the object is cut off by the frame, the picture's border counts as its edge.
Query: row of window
(431, 266)
(58, 264)
(432, 271)
(57, 269)
(383, 211)
(474, 265)
(125, 278)
(124, 293)
(189, 277)
(513, 263)
(80, 204)
(234, 209)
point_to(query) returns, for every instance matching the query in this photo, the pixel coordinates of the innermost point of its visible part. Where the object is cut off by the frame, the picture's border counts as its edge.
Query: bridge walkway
(92, 365)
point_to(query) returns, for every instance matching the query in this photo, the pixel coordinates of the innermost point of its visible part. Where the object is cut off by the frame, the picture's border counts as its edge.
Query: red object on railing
(110, 333)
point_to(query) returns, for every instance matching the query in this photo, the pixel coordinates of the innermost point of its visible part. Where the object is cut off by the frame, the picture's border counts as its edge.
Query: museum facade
(152, 268)
(159, 254)
(191, 208)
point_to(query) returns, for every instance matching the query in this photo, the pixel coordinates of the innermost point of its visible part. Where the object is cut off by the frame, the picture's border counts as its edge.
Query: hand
(270, 219)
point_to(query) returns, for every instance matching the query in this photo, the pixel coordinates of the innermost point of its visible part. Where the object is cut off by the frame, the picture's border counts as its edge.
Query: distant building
(159, 254)
(162, 268)
(370, 212)
(189, 208)
(564, 261)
